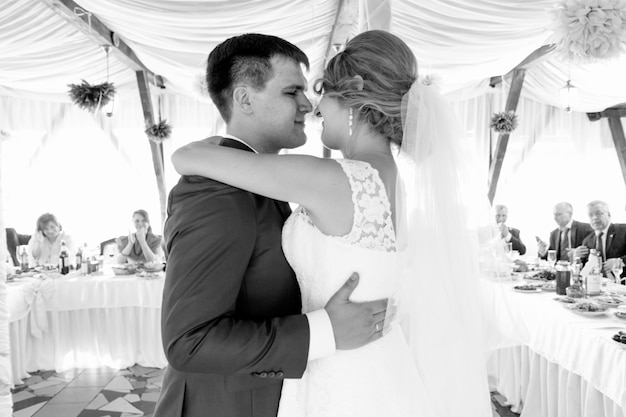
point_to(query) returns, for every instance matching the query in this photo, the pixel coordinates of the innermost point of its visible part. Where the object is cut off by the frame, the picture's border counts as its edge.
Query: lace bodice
(372, 227)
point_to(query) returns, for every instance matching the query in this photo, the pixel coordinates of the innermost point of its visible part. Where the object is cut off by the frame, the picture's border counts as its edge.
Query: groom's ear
(241, 99)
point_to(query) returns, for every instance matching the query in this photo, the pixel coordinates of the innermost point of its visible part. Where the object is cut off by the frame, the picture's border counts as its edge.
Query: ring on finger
(377, 327)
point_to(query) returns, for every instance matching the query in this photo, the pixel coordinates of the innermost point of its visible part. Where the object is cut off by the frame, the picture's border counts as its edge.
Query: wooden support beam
(155, 149)
(97, 31)
(617, 132)
(503, 138)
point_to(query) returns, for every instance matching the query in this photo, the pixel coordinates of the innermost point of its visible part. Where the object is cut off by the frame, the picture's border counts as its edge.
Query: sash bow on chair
(34, 295)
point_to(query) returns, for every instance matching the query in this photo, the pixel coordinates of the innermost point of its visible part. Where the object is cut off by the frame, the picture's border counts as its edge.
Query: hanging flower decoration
(588, 30)
(91, 97)
(159, 132)
(504, 122)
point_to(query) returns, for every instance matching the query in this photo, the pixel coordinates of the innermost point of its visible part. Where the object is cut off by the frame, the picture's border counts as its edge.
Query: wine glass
(616, 270)
(551, 257)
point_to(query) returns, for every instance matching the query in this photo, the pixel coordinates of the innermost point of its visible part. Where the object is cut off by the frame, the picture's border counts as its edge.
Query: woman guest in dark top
(143, 245)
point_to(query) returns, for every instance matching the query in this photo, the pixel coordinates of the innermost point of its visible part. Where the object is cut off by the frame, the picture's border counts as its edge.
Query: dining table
(550, 361)
(59, 322)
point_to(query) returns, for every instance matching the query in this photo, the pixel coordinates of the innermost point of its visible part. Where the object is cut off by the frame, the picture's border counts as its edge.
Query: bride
(397, 228)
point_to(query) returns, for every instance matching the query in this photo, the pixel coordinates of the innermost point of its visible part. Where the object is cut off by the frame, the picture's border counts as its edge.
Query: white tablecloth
(565, 364)
(85, 322)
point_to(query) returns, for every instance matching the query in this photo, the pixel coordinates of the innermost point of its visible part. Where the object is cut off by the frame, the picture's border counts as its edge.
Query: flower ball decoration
(504, 122)
(588, 30)
(159, 132)
(91, 97)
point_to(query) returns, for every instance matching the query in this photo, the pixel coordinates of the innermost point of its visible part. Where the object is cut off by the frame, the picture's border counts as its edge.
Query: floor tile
(83, 395)
(122, 406)
(29, 402)
(132, 398)
(98, 413)
(44, 384)
(22, 395)
(29, 411)
(49, 391)
(60, 410)
(112, 395)
(97, 402)
(150, 396)
(139, 370)
(119, 383)
(92, 380)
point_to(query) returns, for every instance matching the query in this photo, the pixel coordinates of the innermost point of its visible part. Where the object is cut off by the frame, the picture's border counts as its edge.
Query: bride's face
(335, 128)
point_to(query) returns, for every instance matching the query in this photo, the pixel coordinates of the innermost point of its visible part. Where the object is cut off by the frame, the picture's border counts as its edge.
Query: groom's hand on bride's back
(355, 324)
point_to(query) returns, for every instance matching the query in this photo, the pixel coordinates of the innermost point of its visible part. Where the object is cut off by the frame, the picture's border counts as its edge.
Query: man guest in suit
(508, 234)
(567, 236)
(232, 326)
(608, 239)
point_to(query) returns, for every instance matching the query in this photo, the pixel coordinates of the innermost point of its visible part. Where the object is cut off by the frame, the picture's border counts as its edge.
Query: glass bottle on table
(24, 259)
(64, 259)
(593, 282)
(575, 290)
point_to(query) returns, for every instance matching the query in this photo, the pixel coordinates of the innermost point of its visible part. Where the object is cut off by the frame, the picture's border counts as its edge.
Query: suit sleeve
(210, 240)
(517, 242)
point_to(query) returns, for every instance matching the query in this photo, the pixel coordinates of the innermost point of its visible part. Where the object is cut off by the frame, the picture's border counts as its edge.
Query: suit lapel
(609, 239)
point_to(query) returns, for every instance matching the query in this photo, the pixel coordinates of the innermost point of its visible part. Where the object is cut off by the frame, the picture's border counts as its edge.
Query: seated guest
(565, 238)
(14, 240)
(608, 239)
(44, 246)
(141, 246)
(508, 234)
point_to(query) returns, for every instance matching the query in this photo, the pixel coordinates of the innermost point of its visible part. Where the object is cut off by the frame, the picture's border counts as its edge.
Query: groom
(231, 319)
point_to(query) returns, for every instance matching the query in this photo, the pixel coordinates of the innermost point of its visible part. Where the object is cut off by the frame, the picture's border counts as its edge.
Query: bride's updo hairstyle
(388, 68)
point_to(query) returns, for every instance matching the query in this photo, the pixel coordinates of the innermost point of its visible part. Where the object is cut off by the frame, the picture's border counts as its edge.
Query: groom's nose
(304, 105)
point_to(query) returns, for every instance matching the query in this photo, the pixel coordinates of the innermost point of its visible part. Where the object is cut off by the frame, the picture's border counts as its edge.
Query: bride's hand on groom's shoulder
(355, 324)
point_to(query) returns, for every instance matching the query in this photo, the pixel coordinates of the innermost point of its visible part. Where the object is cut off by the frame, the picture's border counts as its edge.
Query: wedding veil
(442, 224)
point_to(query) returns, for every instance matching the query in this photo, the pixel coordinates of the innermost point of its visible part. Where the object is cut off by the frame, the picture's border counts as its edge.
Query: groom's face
(280, 108)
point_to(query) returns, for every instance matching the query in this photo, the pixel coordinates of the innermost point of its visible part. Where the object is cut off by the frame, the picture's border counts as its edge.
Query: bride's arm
(312, 182)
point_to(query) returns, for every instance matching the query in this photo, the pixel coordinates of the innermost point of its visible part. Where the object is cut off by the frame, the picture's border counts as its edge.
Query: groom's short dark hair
(245, 58)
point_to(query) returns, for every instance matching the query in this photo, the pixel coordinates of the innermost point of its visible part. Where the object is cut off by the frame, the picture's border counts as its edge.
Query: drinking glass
(616, 270)
(551, 257)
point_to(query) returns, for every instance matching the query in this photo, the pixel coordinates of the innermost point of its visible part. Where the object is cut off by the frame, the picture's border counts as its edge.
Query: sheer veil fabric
(442, 223)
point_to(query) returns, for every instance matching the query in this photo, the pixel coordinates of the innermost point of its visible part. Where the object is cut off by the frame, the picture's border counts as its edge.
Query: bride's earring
(350, 116)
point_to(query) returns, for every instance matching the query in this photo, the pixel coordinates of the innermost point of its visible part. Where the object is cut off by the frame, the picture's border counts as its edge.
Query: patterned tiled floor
(109, 392)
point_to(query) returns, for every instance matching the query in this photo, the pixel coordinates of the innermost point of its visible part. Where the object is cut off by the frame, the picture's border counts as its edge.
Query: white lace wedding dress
(379, 379)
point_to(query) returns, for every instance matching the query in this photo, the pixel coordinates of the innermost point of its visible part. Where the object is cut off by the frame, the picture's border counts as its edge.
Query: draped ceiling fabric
(460, 43)
(463, 42)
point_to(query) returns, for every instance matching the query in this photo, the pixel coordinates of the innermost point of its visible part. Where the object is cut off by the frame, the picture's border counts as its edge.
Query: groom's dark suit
(231, 321)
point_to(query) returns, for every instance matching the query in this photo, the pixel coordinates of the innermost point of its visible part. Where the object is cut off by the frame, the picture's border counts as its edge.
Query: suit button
(263, 375)
(255, 374)
(279, 374)
(271, 374)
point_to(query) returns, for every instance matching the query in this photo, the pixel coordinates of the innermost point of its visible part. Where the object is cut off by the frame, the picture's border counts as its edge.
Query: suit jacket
(516, 241)
(232, 326)
(577, 233)
(14, 240)
(615, 242)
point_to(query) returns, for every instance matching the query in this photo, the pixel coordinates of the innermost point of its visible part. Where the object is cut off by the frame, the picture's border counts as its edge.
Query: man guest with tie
(608, 239)
(508, 234)
(567, 236)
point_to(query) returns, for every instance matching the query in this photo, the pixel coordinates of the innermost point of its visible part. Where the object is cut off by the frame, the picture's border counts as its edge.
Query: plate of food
(549, 286)
(527, 288)
(545, 275)
(609, 301)
(620, 315)
(566, 300)
(124, 269)
(587, 308)
(620, 339)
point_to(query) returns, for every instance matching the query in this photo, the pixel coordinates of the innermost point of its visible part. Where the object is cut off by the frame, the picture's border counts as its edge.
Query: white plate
(602, 300)
(535, 290)
(567, 300)
(547, 287)
(620, 315)
(585, 313)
